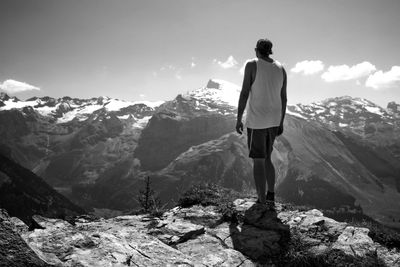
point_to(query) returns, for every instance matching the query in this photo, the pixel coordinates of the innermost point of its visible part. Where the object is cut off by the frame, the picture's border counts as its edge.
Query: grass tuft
(210, 194)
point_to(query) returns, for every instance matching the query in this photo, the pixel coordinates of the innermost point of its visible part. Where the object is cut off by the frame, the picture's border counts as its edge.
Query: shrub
(148, 201)
(210, 194)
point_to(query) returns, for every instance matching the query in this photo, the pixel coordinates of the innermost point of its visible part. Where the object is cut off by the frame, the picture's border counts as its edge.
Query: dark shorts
(261, 141)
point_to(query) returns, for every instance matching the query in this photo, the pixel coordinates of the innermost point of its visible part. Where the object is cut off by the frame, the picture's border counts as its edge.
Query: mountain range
(341, 154)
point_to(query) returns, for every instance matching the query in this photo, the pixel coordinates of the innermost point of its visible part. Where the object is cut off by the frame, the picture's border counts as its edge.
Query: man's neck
(268, 59)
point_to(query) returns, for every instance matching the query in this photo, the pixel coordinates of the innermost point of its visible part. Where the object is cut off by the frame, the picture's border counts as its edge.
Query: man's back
(264, 105)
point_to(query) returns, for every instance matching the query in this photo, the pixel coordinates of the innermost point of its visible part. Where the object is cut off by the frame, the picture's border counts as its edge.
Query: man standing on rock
(264, 86)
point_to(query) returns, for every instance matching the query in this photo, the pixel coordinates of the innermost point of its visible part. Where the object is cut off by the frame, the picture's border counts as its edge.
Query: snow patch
(141, 123)
(295, 114)
(227, 93)
(375, 110)
(115, 104)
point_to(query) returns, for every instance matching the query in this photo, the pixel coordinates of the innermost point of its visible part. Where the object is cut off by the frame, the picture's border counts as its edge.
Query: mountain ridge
(191, 139)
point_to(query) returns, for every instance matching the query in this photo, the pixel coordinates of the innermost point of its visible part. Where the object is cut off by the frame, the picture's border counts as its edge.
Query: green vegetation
(148, 201)
(210, 194)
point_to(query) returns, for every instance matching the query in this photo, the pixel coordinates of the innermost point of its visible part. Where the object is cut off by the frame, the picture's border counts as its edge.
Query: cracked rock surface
(195, 236)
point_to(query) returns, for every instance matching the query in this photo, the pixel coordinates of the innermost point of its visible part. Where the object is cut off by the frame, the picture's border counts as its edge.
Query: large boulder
(13, 249)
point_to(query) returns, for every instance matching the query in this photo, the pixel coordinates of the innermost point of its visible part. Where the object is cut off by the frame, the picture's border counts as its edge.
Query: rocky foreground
(257, 235)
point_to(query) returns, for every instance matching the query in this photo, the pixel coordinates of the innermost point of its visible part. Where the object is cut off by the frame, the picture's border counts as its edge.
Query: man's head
(264, 47)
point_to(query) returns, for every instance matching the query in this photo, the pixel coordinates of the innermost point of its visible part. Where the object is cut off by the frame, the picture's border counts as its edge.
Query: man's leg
(269, 167)
(259, 172)
(270, 173)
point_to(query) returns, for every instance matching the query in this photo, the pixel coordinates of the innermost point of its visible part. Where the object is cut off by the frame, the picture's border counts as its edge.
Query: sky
(154, 50)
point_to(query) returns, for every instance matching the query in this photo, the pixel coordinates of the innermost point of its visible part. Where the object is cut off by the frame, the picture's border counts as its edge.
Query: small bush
(147, 199)
(209, 194)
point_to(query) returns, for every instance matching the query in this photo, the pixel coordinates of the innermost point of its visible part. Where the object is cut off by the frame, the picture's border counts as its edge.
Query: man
(264, 86)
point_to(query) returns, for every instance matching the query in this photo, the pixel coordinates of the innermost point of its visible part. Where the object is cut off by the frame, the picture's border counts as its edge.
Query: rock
(177, 231)
(50, 223)
(18, 225)
(354, 241)
(206, 216)
(13, 249)
(259, 245)
(182, 237)
(210, 251)
(263, 217)
(111, 242)
(262, 234)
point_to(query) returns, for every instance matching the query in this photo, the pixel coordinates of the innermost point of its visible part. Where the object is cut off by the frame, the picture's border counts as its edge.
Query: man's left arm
(284, 101)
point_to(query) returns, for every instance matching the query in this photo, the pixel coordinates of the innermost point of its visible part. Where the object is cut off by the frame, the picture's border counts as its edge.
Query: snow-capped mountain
(342, 112)
(107, 147)
(358, 117)
(66, 109)
(218, 95)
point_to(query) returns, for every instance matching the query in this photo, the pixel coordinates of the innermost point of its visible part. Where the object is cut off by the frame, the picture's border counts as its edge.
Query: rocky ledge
(197, 236)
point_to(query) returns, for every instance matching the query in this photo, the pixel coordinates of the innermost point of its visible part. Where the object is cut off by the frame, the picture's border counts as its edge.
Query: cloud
(193, 63)
(380, 79)
(308, 67)
(228, 64)
(167, 67)
(345, 73)
(178, 75)
(12, 86)
(177, 72)
(142, 95)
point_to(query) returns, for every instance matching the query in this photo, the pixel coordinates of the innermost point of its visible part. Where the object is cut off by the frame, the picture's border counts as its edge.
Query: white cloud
(12, 86)
(169, 68)
(228, 64)
(193, 63)
(308, 67)
(178, 76)
(381, 79)
(142, 95)
(345, 73)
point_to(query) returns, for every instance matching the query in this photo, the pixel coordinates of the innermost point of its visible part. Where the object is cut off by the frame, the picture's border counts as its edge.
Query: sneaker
(270, 196)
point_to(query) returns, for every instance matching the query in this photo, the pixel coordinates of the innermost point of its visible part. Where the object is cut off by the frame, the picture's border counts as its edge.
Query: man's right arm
(248, 78)
(284, 101)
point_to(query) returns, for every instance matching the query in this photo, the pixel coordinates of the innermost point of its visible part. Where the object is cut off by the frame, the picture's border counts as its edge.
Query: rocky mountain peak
(4, 96)
(216, 92)
(393, 107)
(347, 100)
(212, 84)
(341, 110)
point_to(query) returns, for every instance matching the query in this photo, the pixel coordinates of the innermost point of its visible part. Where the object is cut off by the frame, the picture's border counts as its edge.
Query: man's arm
(249, 71)
(284, 101)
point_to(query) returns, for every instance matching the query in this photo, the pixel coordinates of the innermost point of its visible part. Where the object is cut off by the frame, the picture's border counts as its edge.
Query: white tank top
(264, 106)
